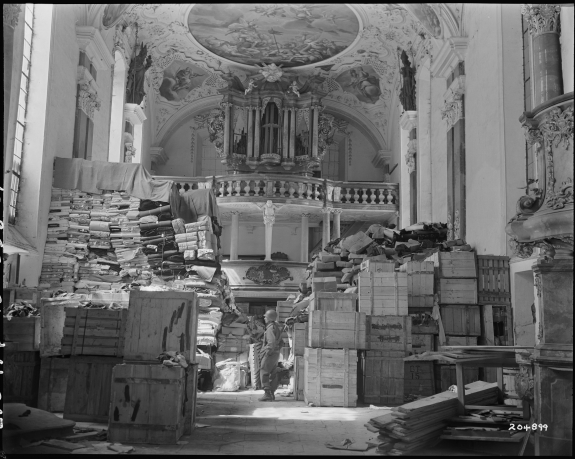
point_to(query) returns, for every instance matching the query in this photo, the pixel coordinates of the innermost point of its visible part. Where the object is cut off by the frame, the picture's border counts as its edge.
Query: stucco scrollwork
(452, 112)
(449, 228)
(541, 18)
(524, 383)
(410, 155)
(88, 102)
(457, 226)
(214, 121)
(10, 12)
(521, 249)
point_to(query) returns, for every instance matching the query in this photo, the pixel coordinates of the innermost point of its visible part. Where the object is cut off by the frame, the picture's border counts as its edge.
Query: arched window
(270, 130)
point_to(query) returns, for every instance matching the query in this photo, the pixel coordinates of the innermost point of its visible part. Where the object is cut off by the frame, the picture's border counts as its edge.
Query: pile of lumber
(420, 423)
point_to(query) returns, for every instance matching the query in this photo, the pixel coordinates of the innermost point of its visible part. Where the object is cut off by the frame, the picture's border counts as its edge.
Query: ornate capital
(408, 120)
(336, 211)
(235, 212)
(326, 210)
(452, 112)
(88, 102)
(306, 214)
(134, 114)
(269, 220)
(521, 249)
(10, 12)
(542, 17)
(524, 383)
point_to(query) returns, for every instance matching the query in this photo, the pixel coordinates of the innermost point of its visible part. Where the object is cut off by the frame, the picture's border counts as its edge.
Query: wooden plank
(460, 388)
(161, 321)
(23, 330)
(53, 383)
(461, 320)
(52, 318)
(21, 377)
(447, 376)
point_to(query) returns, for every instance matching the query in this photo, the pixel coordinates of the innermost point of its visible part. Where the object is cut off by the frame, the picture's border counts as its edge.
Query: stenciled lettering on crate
(389, 333)
(418, 377)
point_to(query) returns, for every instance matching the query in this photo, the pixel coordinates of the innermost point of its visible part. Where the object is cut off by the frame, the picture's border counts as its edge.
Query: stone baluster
(282, 189)
(291, 190)
(248, 188)
(364, 195)
(301, 190)
(316, 192)
(355, 195)
(222, 188)
(347, 195)
(270, 191)
(238, 188)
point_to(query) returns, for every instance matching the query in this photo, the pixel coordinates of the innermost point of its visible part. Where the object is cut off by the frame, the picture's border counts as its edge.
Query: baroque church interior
(324, 119)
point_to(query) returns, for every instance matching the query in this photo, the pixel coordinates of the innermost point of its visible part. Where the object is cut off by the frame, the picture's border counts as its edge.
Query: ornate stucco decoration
(450, 235)
(452, 110)
(271, 72)
(269, 211)
(537, 280)
(541, 18)
(524, 383)
(268, 274)
(214, 122)
(10, 12)
(88, 102)
(457, 226)
(328, 126)
(410, 155)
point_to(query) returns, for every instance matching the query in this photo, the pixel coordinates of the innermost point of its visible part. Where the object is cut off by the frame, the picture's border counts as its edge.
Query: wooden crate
(148, 404)
(158, 322)
(382, 378)
(12, 294)
(52, 319)
(235, 356)
(493, 280)
(299, 377)
(233, 344)
(418, 377)
(299, 338)
(94, 332)
(382, 294)
(422, 343)
(461, 320)
(324, 284)
(420, 275)
(88, 389)
(283, 310)
(330, 376)
(191, 402)
(454, 265)
(329, 301)
(21, 376)
(23, 330)
(422, 325)
(378, 266)
(53, 383)
(447, 376)
(457, 291)
(460, 340)
(337, 330)
(391, 335)
(502, 324)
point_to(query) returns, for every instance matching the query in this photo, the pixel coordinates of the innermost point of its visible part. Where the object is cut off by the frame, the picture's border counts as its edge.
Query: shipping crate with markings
(337, 330)
(330, 377)
(456, 291)
(23, 330)
(389, 334)
(383, 294)
(418, 377)
(330, 301)
(421, 343)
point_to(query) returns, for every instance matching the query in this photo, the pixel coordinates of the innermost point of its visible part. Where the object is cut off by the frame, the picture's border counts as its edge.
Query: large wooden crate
(12, 294)
(299, 338)
(383, 294)
(324, 284)
(423, 324)
(418, 377)
(447, 376)
(502, 324)
(493, 280)
(454, 264)
(158, 322)
(389, 334)
(299, 377)
(421, 343)
(337, 330)
(420, 277)
(21, 376)
(457, 291)
(378, 266)
(330, 377)
(381, 378)
(283, 310)
(330, 301)
(94, 332)
(53, 383)
(461, 320)
(52, 319)
(23, 330)
(88, 389)
(148, 404)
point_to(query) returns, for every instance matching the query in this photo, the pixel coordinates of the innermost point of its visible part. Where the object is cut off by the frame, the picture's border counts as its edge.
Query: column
(408, 122)
(285, 133)
(235, 234)
(250, 132)
(269, 222)
(227, 124)
(315, 126)
(304, 237)
(292, 136)
(336, 223)
(543, 23)
(258, 116)
(326, 211)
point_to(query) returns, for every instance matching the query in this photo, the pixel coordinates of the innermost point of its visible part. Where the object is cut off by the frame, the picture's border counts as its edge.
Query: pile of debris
(21, 309)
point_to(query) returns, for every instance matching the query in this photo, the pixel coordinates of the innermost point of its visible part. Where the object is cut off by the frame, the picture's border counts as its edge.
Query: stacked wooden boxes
(383, 297)
(299, 342)
(152, 403)
(420, 276)
(335, 333)
(326, 275)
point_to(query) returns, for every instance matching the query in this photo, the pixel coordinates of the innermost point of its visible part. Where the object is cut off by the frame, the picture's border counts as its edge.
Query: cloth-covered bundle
(197, 236)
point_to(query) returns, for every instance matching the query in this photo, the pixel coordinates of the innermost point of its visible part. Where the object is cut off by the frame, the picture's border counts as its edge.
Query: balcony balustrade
(294, 189)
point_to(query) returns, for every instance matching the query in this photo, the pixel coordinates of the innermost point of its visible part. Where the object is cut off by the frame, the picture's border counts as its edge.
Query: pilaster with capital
(452, 110)
(337, 222)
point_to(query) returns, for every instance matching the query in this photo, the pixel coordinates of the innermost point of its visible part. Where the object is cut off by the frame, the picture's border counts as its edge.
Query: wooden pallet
(88, 389)
(94, 332)
(391, 334)
(23, 330)
(382, 294)
(456, 291)
(53, 383)
(330, 377)
(461, 320)
(161, 321)
(382, 378)
(493, 281)
(148, 404)
(454, 265)
(337, 330)
(330, 301)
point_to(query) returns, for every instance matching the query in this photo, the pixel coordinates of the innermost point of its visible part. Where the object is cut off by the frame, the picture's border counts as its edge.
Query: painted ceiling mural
(285, 34)
(351, 50)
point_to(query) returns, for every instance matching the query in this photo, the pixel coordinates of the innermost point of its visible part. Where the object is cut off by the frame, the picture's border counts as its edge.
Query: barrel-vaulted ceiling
(350, 50)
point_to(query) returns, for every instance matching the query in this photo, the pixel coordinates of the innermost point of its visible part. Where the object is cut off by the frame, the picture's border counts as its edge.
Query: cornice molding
(134, 114)
(91, 42)
(451, 53)
(381, 158)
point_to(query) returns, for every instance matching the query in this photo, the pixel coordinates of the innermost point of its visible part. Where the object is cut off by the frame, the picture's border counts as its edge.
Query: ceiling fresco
(352, 49)
(290, 35)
